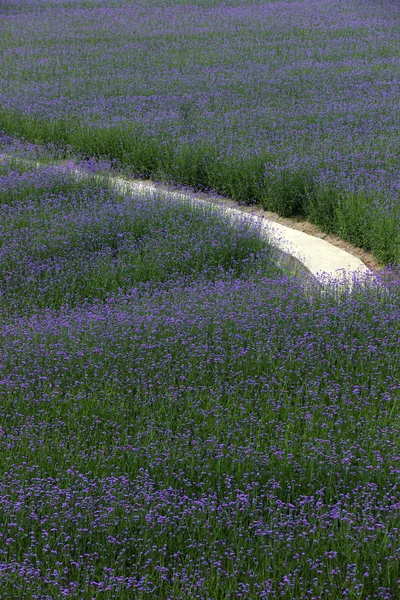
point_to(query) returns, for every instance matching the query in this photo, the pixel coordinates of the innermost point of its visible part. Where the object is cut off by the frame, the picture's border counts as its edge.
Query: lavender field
(292, 104)
(179, 417)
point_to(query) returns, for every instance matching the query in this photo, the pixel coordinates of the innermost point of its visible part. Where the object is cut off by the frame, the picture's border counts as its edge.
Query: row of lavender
(180, 419)
(293, 104)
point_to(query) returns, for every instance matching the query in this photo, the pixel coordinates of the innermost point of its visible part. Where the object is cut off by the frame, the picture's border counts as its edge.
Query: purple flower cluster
(267, 88)
(65, 239)
(228, 433)
(230, 439)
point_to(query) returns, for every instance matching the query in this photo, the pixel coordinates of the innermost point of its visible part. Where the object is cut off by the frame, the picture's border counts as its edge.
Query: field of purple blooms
(293, 104)
(179, 418)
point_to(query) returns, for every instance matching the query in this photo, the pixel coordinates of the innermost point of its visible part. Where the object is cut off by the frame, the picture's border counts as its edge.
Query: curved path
(299, 251)
(324, 261)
